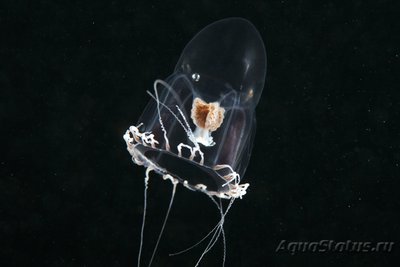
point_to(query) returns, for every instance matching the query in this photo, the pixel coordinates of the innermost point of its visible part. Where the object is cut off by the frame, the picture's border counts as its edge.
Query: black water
(325, 164)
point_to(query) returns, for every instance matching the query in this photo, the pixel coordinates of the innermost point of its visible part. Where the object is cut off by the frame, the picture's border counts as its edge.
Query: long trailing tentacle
(146, 186)
(164, 223)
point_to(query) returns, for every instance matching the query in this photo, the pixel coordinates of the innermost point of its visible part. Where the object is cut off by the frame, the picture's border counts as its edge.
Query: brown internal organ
(207, 115)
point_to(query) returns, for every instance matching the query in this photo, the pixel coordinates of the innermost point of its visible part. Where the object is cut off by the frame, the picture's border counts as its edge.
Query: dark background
(326, 158)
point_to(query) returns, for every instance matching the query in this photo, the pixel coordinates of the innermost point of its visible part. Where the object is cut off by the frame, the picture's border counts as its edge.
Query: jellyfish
(199, 126)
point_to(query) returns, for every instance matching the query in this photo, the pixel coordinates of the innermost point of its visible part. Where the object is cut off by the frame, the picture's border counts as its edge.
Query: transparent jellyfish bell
(230, 52)
(199, 126)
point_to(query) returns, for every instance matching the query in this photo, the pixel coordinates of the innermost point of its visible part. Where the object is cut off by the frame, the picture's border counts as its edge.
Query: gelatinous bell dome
(231, 52)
